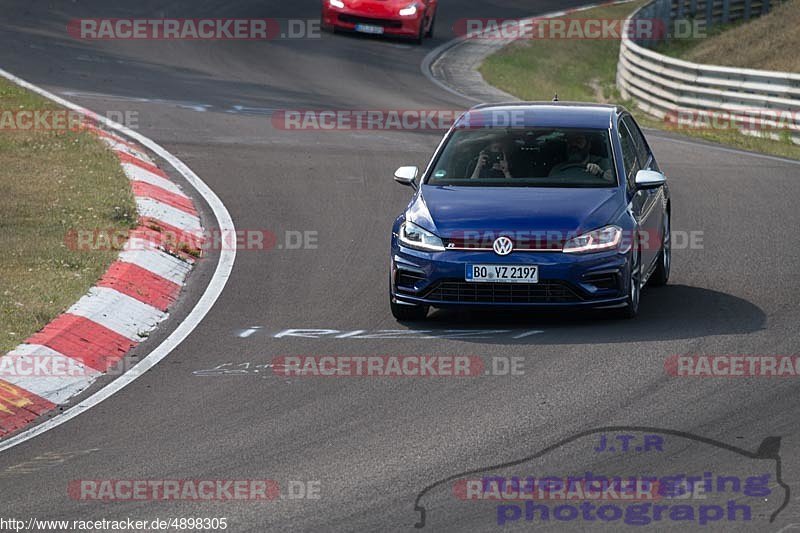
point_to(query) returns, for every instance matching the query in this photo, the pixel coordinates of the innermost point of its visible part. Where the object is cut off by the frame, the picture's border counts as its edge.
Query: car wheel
(409, 313)
(429, 33)
(631, 308)
(661, 275)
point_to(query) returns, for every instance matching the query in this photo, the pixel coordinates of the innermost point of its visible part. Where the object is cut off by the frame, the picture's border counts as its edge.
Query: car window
(642, 151)
(629, 157)
(525, 157)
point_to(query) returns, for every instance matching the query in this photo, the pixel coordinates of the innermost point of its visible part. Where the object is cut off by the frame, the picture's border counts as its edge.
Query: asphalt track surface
(374, 444)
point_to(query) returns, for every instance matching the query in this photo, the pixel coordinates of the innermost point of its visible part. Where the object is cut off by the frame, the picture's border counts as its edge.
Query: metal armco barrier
(692, 94)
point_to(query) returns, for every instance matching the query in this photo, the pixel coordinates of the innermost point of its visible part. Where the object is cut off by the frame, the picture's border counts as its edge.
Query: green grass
(51, 182)
(578, 70)
(764, 43)
(681, 48)
(585, 71)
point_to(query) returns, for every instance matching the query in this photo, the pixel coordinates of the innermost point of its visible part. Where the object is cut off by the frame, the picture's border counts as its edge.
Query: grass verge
(51, 182)
(585, 71)
(763, 43)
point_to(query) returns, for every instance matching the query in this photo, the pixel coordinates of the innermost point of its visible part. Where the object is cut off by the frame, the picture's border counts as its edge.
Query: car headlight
(606, 238)
(418, 238)
(409, 11)
(336, 3)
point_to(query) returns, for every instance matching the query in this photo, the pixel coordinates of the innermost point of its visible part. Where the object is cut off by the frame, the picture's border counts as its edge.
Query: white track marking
(159, 263)
(249, 331)
(135, 173)
(69, 376)
(194, 106)
(122, 147)
(351, 334)
(149, 207)
(528, 333)
(192, 320)
(118, 312)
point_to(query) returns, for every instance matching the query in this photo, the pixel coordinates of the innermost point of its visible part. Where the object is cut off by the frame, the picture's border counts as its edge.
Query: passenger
(492, 163)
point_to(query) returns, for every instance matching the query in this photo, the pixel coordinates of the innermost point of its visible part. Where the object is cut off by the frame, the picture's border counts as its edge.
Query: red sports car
(402, 18)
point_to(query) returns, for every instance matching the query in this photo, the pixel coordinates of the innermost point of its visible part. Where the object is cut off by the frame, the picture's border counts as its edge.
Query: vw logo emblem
(503, 246)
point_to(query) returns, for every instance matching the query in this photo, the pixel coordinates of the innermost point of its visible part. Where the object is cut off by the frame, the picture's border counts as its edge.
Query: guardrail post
(693, 9)
(726, 11)
(747, 7)
(709, 13)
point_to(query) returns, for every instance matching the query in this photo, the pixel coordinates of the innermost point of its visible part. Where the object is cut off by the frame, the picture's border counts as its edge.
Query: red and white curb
(212, 291)
(71, 352)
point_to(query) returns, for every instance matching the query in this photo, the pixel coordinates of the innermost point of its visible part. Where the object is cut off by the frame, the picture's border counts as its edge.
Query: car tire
(631, 309)
(660, 276)
(429, 33)
(408, 313)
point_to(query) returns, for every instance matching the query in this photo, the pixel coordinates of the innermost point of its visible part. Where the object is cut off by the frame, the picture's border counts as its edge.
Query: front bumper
(437, 279)
(394, 25)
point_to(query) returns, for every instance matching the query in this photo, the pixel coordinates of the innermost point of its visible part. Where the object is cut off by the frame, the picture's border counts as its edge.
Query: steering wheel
(568, 166)
(471, 165)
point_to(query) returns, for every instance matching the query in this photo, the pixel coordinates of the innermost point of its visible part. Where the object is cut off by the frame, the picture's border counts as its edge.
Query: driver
(492, 163)
(578, 155)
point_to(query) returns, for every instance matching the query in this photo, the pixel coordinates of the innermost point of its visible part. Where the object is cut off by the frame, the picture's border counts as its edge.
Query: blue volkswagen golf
(533, 205)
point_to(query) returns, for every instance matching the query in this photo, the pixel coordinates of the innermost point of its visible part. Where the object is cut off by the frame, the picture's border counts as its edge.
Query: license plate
(369, 28)
(503, 273)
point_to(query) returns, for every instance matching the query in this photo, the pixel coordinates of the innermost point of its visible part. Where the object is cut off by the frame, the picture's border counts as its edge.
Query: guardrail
(712, 12)
(756, 102)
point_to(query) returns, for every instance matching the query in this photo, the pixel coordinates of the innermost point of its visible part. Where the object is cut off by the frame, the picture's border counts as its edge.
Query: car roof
(542, 114)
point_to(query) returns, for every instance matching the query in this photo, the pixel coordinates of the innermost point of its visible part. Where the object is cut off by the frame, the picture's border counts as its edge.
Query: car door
(654, 204)
(642, 203)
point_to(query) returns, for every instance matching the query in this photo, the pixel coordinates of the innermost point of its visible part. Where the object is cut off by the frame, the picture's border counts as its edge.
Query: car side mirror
(649, 179)
(406, 176)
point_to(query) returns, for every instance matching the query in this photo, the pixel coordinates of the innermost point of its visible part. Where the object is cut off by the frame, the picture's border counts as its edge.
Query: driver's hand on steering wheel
(594, 169)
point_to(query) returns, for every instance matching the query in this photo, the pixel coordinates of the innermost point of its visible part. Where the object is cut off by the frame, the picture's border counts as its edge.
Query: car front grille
(505, 293)
(386, 23)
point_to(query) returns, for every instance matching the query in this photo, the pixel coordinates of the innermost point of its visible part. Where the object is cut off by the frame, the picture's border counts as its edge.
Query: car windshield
(526, 157)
